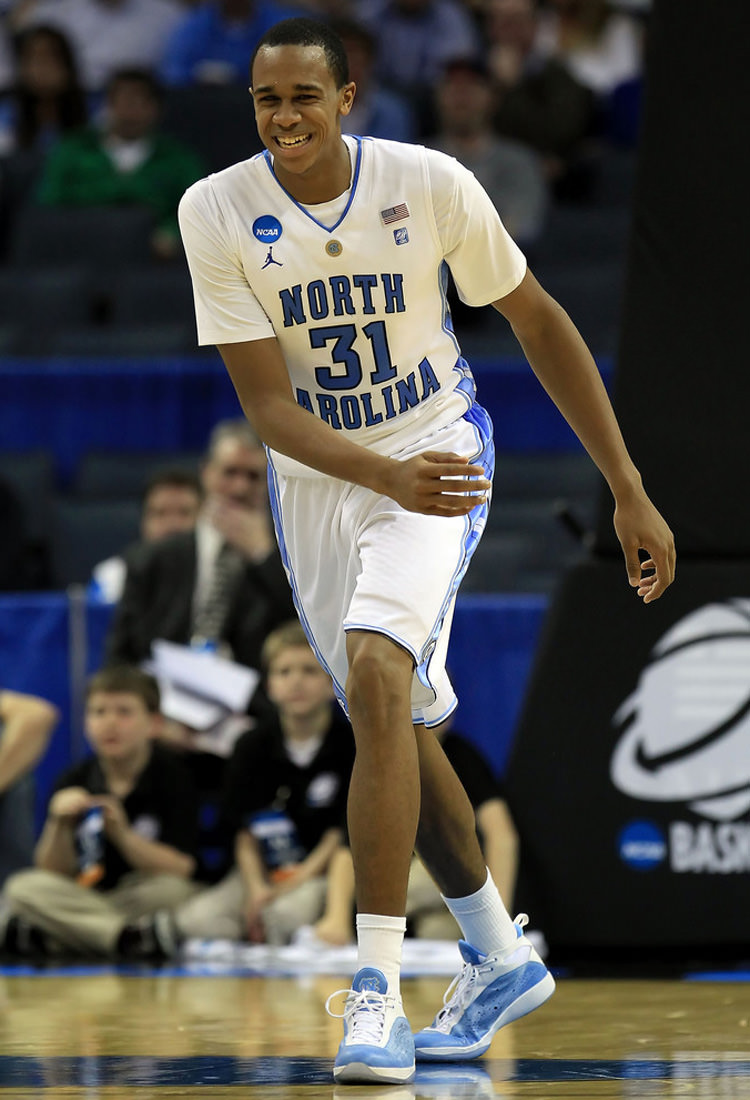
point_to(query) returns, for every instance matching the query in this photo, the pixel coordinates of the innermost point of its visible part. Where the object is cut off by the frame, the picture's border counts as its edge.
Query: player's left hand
(438, 483)
(639, 526)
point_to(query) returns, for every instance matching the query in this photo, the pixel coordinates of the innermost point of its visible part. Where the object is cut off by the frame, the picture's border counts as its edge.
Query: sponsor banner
(630, 774)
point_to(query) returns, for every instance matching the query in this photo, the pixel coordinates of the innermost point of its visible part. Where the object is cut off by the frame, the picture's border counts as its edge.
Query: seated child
(284, 803)
(120, 836)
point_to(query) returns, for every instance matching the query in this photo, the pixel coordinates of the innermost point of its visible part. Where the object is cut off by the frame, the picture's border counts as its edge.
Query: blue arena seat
(152, 295)
(217, 121)
(109, 340)
(85, 532)
(35, 302)
(102, 474)
(32, 475)
(103, 237)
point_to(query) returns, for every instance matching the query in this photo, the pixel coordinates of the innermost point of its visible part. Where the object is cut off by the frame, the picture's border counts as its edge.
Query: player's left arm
(566, 369)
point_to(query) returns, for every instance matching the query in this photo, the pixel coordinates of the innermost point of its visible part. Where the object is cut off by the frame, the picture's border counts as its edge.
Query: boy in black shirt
(284, 804)
(120, 836)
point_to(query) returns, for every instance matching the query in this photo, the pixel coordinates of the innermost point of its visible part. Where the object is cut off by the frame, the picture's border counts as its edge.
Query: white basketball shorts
(356, 560)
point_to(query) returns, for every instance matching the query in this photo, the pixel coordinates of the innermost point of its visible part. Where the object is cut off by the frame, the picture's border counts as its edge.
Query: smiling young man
(344, 359)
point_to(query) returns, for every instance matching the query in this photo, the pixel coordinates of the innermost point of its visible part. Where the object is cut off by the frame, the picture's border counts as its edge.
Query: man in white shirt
(106, 35)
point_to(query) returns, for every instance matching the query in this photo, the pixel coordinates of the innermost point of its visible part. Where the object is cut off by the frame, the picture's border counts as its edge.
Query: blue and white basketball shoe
(378, 1045)
(490, 992)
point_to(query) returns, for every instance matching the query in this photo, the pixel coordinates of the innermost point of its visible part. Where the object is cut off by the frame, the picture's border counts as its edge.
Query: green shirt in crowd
(80, 172)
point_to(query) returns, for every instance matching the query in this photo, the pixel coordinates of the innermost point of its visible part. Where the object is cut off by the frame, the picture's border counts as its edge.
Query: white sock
(379, 942)
(484, 920)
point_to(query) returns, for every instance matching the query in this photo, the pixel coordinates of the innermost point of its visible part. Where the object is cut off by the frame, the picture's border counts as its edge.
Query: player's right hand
(437, 483)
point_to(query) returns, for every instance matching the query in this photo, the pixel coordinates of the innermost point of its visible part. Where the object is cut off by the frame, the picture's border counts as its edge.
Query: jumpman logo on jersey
(270, 260)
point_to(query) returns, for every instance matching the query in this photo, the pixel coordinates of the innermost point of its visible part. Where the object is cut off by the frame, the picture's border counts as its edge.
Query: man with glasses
(221, 585)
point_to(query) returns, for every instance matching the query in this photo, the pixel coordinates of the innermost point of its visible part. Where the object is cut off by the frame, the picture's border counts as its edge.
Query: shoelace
(456, 996)
(363, 1015)
(458, 993)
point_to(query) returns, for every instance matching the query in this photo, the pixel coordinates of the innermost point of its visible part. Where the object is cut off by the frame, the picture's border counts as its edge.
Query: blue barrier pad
(71, 407)
(49, 643)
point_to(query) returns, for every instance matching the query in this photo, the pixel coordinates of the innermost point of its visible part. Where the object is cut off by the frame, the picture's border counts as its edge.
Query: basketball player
(380, 463)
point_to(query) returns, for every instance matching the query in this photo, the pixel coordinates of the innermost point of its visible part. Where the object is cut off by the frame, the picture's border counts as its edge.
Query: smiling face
(298, 110)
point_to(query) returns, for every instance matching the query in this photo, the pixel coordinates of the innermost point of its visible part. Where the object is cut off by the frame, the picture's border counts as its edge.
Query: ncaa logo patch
(267, 229)
(401, 236)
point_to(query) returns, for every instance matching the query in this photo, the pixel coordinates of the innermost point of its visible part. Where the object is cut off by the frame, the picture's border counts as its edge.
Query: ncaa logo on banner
(642, 845)
(684, 737)
(267, 229)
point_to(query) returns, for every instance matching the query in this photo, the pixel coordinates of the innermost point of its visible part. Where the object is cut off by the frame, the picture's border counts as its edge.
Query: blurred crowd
(522, 91)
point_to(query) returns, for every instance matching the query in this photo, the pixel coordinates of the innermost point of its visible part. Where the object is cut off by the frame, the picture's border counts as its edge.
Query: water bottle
(90, 843)
(277, 835)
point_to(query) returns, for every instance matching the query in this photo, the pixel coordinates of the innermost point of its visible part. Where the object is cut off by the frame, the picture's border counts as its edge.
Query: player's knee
(379, 676)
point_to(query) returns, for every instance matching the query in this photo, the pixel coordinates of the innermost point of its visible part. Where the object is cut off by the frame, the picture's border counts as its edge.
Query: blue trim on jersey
(274, 501)
(370, 628)
(447, 321)
(438, 721)
(305, 211)
(467, 387)
(475, 524)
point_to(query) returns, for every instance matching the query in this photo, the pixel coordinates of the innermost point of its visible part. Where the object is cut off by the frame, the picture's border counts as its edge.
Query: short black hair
(126, 680)
(146, 78)
(172, 477)
(308, 32)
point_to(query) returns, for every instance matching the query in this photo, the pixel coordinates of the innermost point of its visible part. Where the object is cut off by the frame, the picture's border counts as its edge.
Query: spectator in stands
(428, 918)
(600, 46)
(224, 581)
(120, 836)
(26, 725)
(46, 99)
(284, 805)
(510, 172)
(214, 43)
(378, 111)
(107, 35)
(171, 503)
(540, 103)
(126, 160)
(415, 39)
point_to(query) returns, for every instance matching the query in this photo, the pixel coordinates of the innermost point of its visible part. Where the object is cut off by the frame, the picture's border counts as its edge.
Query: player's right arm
(260, 377)
(225, 304)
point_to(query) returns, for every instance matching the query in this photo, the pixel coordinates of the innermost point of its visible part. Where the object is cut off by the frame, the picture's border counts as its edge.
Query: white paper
(212, 678)
(191, 710)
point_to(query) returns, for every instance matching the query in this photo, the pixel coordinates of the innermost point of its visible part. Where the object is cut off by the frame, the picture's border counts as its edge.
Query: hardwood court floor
(115, 1035)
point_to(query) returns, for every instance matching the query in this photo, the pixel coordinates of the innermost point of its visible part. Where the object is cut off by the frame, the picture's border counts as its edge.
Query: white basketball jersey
(356, 298)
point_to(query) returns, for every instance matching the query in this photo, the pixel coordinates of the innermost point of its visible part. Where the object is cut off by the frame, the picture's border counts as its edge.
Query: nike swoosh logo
(660, 760)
